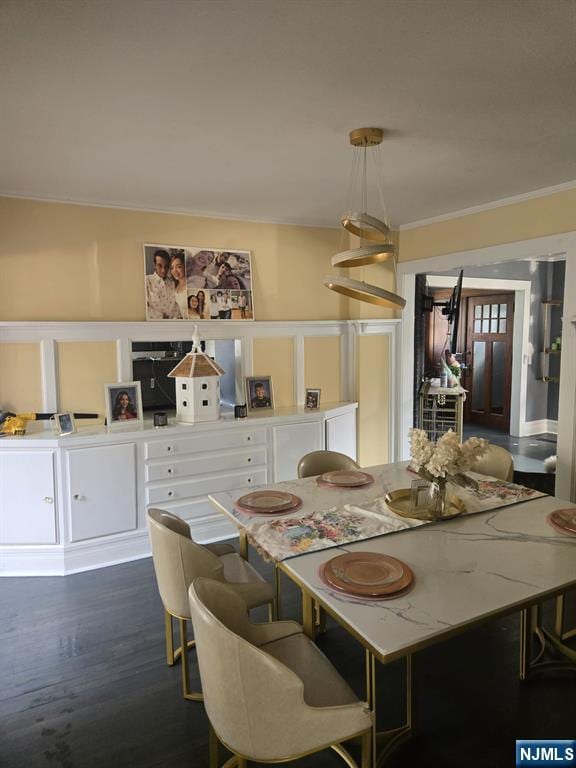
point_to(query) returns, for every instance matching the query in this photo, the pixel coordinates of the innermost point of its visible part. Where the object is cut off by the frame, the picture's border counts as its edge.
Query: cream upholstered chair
(496, 462)
(178, 560)
(318, 462)
(270, 694)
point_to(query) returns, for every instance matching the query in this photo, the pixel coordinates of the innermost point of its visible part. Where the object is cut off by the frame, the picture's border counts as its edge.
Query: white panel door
(341, 434)
(101, 490)
(27, 498)
(291, 442)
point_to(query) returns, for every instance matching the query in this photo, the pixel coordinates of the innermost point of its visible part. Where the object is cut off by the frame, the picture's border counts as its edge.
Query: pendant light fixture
(374, 233)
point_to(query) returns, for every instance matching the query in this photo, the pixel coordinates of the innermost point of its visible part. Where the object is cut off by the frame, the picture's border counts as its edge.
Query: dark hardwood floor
(84, 684)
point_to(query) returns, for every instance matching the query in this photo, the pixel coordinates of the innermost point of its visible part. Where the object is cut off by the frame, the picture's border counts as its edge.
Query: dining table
(502, 555)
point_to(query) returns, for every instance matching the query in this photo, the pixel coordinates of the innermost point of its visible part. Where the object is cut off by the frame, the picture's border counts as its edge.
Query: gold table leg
(385, 742)
(308, 615)
(530, 630)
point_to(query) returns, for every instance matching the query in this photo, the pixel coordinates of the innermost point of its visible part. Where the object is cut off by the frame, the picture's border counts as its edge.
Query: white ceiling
(242, 108)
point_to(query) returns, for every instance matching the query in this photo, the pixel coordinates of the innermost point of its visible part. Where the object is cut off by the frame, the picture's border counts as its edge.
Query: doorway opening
(509, 348)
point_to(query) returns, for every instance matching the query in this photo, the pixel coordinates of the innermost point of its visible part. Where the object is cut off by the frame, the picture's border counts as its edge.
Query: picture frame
(123, 404)
(259, 393)
(64, 423)
(185, 282)
(312, 399)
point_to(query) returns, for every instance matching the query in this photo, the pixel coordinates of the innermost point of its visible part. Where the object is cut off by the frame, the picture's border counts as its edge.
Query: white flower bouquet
(447, 459)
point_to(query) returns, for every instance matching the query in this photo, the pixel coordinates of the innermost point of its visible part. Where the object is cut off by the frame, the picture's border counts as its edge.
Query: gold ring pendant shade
(375, 248)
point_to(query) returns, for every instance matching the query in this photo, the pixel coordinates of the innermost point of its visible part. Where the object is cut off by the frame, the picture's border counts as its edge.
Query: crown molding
(544, 192)
(166, 211)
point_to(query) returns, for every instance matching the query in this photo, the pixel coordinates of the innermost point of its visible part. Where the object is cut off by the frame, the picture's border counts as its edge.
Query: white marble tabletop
(467, 569)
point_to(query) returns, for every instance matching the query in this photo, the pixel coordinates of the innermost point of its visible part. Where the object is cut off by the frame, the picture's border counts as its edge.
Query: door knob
(77, 497)
(48, 499)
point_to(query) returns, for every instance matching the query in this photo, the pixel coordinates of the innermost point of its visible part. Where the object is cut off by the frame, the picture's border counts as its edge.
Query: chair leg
(169, 630)
(212, 746)
(187, 692)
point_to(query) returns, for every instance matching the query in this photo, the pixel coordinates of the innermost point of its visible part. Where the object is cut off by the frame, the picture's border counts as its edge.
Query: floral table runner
(286, 536)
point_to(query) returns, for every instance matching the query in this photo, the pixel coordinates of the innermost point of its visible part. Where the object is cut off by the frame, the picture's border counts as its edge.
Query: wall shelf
(549, 358)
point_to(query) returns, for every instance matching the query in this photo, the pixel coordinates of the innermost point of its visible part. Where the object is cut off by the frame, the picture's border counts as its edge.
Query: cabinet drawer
(197, 465)
(158, 493)
(207, 441)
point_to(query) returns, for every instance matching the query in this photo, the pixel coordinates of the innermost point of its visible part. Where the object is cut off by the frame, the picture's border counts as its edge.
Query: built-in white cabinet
(341, 434)
(101, 490)
(291, 442)
(76, 502)
(27, 498)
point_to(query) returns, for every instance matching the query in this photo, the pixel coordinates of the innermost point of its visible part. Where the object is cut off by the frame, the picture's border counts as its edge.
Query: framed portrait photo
(123, 403)
(312, 399)
(64, 423)
(259, 396)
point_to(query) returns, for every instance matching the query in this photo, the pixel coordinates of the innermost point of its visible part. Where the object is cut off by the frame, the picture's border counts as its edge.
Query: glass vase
(438, 505)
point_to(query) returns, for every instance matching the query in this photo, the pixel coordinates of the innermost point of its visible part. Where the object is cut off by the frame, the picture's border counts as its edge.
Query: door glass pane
(478, 326)
(494, 311)
(478, 310)
(486, 310)
(494, 325)
(503, 308)
(498, 364)
(478, 375)
(502, 326)
(485, 326)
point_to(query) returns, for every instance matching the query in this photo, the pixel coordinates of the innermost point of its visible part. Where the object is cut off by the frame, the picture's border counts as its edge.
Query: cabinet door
(27, 498)
(101, 490)
(341, 434)
(291, 442)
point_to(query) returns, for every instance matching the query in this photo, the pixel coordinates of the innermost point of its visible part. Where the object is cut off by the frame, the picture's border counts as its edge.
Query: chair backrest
(496, 462)
(254, 702)
(318, 462)
(178, 560)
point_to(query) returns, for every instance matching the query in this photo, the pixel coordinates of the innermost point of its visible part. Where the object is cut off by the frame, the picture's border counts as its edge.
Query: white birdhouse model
(197, 388)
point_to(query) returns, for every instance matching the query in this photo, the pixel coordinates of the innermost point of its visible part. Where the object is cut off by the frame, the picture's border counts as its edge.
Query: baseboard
(63, 560)
(540, 427)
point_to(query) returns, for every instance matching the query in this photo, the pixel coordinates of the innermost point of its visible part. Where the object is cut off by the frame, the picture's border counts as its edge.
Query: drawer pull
(169, 448)
(170, 493)
(48, 499)
(249, 438)
(249, 459)
(77, 497)
(170, 470)
(249, 479)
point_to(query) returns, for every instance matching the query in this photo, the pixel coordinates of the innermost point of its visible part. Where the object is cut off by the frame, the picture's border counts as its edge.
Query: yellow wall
(83, 369)
(372, 372)
(20, 377)
(77, 262)
(322, 366)
(526, 220)
(275, 357)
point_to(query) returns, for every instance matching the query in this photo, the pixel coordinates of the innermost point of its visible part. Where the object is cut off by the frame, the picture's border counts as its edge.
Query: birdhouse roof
(196, 365)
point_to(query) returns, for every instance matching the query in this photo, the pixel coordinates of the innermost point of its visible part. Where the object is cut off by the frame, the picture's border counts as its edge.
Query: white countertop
(41, 434)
